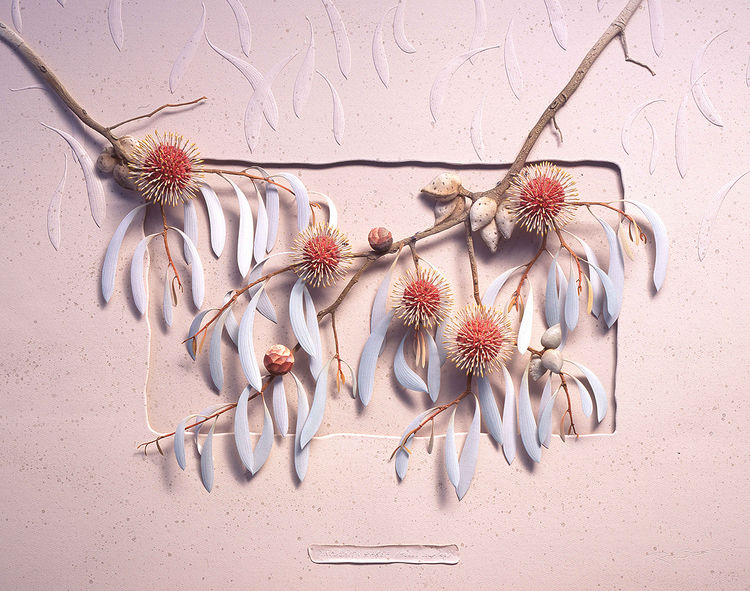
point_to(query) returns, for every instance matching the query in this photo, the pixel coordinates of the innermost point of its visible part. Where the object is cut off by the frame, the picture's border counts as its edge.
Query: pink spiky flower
(422, 298)
(542, 197)
(479, 339)
(321, 254)
(166, 169)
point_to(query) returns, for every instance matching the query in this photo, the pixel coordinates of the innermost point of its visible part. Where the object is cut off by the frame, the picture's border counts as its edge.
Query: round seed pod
(107, 160)
(536, 369)
(278, 360)
(444, 187)
(126, 146)
(380, 239)
(482, 212)
(121, 173)
(552, 337)
(552, 360)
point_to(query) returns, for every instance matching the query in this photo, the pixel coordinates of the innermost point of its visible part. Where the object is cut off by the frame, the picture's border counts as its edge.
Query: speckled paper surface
(655, 499)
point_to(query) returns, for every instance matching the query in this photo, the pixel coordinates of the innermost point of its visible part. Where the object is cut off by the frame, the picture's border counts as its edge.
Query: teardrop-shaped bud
(127, 146)
(505, 219)
(536, 369)
(552, 360)
(490, 236)
(482, 212)
(552, 337)
(444, 186)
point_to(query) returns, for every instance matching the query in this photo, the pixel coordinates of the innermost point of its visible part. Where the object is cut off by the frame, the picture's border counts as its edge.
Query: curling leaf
(302, 198)
(317, 409)
(467, 464)
(207, 460)
(242, 431)
(246, 347)
(526, 422)
(301, 454)
(405, 375)
(265, 442)
(490, 412)
(369, 359)
(451, 455)
(216, 220)
(109, 268)
(598, 390)
(433, 367)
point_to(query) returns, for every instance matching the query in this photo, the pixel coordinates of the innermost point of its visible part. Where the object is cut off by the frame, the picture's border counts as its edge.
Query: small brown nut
(380, 239)
(107, 160)
(121, 173)
(278, 360)
(127, 146)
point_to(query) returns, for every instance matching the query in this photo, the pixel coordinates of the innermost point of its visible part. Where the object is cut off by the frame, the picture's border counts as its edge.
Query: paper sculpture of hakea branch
(476, 340)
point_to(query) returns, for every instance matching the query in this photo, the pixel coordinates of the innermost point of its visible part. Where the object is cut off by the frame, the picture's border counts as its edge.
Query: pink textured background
(660, 504)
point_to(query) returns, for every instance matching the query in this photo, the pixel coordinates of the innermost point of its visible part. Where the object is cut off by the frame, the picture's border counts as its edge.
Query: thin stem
(624, 44)
(569, 411)
(472, 262)
(166, 245)
(576, 258)
(414, 255)
(516, 295)
(613, 208)
(339, 373)
(255, 177)
(155, 111)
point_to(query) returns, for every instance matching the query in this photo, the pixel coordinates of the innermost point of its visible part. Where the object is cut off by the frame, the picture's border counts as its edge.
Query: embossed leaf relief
(475, 317)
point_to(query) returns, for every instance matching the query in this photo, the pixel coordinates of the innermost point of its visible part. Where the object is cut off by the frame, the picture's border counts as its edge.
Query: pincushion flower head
(321, 254)
(479, 339)
(542, 197)
(166, 168)
(422, 298)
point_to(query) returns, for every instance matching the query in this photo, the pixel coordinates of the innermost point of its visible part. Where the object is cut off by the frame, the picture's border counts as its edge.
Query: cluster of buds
(550, 359)
(116, 162)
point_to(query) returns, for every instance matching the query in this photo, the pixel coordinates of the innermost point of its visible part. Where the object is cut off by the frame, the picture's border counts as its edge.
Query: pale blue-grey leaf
(402, 456)
(546, 404)
(369, 359)
(246, 346)
(405, 375)
(197, 280)
(562, 293)
(265, 441)
(53, 211)
(340, 37)
(242, 431)
(186, 53)
(280, 409)
(440, 341)
(302, 198)
(596, 282)
(214, 353)
(303, 82)
(311, 319)
(467, 463)
(661, 242)
(571, 304)
(192, 331)
(218, 226)
(243, 25)
(524, 330)
(433, 367)
(261, 230)
(204, 414)
(380, 303)
(586, 403)
(114, 19)
(609, 308)
(490, 295)
(490, 412)
(509, 418)
(615, 272)
(179, 441)
(451, 454)
(137, 281)
(272, 210)
(317, 409)
(166, 302)
(94, 188)
(207, 460)
(298, 319)
(551, 301)
(598, 390)
(301, 454)
(245, 232)
(333, 214)
(265, 307)
(230, 324)
(190, 227)
(526, 422)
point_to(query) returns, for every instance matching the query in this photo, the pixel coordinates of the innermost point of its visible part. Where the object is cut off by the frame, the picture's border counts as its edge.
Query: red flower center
(479, 339)
(169, 164)
(423, 297)
(322, 253)
(543, 196)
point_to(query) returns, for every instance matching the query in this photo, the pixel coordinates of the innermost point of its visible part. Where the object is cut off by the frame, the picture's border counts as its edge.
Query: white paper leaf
(369, 358)
(166, 302)
(265, 441)
(303, 82)
(280, 408)
(562, 292)
(654, 148)
(625, 132)
(467, 463)
(179, 442)
(526, 422)
(255, 78)
(615, 272)
(186, 53)
(272, 210)
(704, 233)
(379, 57)
(242, 431)
(524, 330)
(704, 104)
(230, 324)
(207, 460)
(557, 22)
(114, 18)
(53, 210)
(380, 303)
(656, 19)
(441, 85)
(587, 404)
(94, 188)
(216, 220)
(571, 304)
(509, 418)
(301, 197)
(204, 414)
(214, 353)
(490, 412)
(265, 307)
(245, 234)
(317, 409)
(404, 374)
(197, 281)
(598, 390)
(433, 367)
(546, 404)
(399, 33)
(402, 457)
(480, 26)
(551, 299)
(596, 282)
(261, 229)
(490, 295)
(298, 320)
(661, 242)
(611, 298)
(15, 13)
(512, 69)
(193, 330)
(440, 341)
(190, 227)
(311, 319)
(681, 136)
(246, 346)
(137, 281)
(340, 37)
(477, 141)
(243, 25)
(333, 214)
(339, 123)
(451, 454)
(301, 454)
